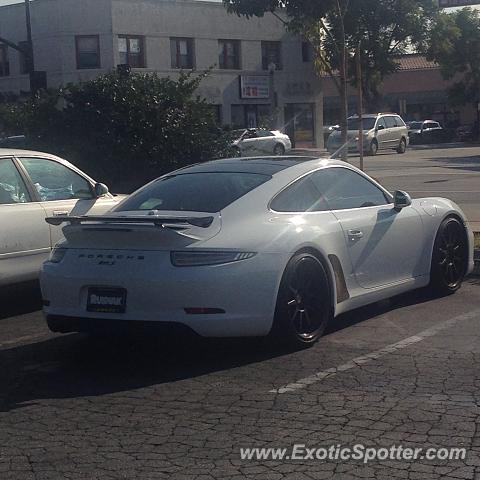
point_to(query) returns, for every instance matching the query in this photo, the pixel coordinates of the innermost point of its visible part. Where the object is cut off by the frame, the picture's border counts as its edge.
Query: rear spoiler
(158, 221)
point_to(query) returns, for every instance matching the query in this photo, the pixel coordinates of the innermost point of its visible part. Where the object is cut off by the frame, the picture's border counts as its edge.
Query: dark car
(426, 131)
(17, 141)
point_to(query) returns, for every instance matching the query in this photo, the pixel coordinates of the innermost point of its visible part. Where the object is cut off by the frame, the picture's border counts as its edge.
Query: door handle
(355, 233)
(60, 213)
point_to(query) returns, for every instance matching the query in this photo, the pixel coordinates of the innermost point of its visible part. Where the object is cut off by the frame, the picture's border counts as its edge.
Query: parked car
(426, 131)
(252, 247)
(258, 141)
(465, 133)
(327, 130)
(34, 186)
(382, 131)
(15, 141)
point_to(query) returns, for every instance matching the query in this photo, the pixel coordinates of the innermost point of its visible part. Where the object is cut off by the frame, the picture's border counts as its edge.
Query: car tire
(279, 149)
(373, 149)
(449, 258)
(304, 306)
(402, 147)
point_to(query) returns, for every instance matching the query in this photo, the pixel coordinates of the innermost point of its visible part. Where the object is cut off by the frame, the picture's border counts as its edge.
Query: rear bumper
(63, 324)
(158, 292)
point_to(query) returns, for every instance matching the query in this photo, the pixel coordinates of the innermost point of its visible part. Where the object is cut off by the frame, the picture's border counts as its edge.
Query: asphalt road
(451, 171)
(402, 372)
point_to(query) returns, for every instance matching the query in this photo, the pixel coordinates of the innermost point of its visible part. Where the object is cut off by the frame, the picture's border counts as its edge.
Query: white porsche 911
(252, 247)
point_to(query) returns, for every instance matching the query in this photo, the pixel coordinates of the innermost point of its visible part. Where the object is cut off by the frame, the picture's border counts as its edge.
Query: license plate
(107, 300)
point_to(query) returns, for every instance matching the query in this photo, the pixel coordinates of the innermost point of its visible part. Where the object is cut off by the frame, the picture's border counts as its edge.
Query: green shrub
(123, 130)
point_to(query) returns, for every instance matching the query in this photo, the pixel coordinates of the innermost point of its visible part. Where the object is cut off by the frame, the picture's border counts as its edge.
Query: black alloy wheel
(449, 259)
(304, 302)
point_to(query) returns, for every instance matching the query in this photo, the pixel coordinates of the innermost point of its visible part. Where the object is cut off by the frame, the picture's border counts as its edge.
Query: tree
(307, 18)
(135, 127)
(385, 29)
(455, 45)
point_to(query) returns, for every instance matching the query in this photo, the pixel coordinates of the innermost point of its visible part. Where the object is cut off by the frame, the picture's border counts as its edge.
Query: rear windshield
(195, 192)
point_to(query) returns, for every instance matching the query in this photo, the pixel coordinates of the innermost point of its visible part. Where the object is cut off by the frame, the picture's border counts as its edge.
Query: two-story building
(258, 70)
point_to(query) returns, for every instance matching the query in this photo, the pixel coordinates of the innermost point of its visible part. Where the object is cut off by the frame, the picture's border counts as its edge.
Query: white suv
(382, 131)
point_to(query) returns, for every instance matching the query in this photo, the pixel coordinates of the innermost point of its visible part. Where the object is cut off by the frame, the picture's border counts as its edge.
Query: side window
(54, 181)
(250, 134)
(12, 186)
(264, 133)
(390, 122)
(343, 188)
(381, 121)
(400, 122)
(301, 196)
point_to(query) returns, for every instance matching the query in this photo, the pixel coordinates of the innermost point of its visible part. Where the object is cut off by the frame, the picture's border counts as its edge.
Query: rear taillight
(195, 258)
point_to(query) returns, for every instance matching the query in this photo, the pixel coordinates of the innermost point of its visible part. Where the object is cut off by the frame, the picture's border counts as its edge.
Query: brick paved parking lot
(146, 408)
(403, 372)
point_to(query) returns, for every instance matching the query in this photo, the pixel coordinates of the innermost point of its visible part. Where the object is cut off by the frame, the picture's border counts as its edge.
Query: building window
(307, 52)
(229, 55)
(182, 52)
(23, 58)
(4, 63)
(88, 51)
(132, 51)
(271, 54)
(250, 116)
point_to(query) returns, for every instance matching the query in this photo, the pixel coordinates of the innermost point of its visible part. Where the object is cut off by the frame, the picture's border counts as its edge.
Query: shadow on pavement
(20, 299)
(438, 146)
(76, 365)
(470, 163)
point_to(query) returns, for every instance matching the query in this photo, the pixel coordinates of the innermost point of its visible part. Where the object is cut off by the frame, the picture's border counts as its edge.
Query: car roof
(374, 115)
(17, 152)
(259, 165)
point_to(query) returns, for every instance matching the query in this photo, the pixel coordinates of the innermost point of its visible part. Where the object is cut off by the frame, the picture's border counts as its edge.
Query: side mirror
(401, 200)
(380, 127)
(100, 190)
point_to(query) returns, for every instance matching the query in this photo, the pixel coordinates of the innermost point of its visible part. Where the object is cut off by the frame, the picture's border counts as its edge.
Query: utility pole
(30, 58)
(273, 96)
(360, 103)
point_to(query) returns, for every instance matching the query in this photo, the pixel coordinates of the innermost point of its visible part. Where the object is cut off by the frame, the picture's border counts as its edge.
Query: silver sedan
(258, 141)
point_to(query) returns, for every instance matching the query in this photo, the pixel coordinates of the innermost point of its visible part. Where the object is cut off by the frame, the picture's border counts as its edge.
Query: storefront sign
(254, 86)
